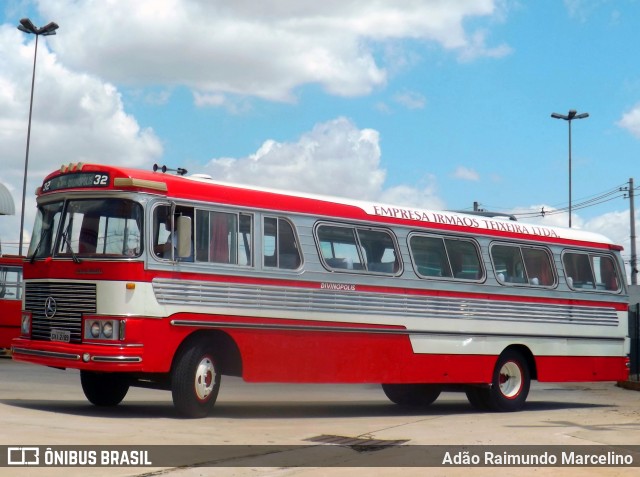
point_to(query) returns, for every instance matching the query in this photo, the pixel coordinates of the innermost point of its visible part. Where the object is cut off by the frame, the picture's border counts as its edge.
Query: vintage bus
(10, 300)
(286, 287)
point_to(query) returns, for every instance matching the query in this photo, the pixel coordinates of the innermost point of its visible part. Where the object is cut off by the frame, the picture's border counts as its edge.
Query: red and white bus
(285, 287)
(10, 299)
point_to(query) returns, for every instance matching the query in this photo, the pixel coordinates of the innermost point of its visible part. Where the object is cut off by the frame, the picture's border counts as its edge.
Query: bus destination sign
(76, 179)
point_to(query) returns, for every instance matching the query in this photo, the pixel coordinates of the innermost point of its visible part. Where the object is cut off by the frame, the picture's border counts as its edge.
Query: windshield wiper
(65, 236)
(35, 252)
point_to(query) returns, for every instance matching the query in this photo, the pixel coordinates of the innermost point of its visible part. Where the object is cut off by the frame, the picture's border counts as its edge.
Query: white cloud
(631, 121)
(76, 118)
(581, 10)
(334, 158)
(410, 100)
(233, 105)
(265, 49)
(466, 174)
(477, 48)
(424, 196)
(614, 225)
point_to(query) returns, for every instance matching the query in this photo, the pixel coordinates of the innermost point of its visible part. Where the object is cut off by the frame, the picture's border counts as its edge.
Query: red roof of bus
(199, 188)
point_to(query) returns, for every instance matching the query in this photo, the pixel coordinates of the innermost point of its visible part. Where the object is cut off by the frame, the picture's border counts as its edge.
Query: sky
(428, 103)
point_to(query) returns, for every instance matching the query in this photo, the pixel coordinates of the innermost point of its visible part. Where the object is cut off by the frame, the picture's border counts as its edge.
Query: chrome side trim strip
(339, 329)
(317, 300)
(116, 359)
(47, 354)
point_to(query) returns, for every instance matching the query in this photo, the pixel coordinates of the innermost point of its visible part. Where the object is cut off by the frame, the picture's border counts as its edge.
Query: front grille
(71, 301)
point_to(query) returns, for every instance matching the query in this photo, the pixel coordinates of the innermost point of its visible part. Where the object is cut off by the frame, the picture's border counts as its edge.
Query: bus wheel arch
(510, 382)
(224, 347)
(530, 360)
(197, 369)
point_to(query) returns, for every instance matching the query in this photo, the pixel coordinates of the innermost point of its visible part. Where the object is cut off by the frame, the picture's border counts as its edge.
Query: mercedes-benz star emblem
(49, 307)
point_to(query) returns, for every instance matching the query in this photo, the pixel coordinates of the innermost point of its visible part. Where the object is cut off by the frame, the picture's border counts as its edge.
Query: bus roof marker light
(130, 286)
(142, 183)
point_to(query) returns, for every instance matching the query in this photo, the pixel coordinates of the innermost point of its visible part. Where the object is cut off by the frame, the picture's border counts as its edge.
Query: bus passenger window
(508, 264)
(445, 257)
(224, 237)
(359, 249)
(245, 242)
(520, 265)
(585, 271)
(538, 265)
(165, 243)
(280, 245)
(605, 273)
(465, 262)
(577, 268)
(430, 256)
(379, 251)
(338, 247)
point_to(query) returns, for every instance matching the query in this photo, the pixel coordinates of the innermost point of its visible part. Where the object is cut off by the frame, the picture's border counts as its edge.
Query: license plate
(60, 335)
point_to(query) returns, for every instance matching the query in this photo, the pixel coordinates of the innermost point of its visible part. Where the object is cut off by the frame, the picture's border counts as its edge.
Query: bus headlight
(95, 329)
(100, 329)
(107, 329)
(25, 323)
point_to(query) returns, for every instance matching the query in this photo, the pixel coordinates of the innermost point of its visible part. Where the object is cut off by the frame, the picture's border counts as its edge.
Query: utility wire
(588, 201)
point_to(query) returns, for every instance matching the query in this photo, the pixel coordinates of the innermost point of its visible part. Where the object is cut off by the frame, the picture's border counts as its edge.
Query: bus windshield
(88, 228)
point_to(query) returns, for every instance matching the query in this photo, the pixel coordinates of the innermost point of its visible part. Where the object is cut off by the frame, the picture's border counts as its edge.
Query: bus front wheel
(412, 395)
(104, 389)
(195, 381)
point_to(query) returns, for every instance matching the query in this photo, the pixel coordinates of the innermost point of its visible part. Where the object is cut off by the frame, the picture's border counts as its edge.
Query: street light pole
(573, 114)
(27, 26)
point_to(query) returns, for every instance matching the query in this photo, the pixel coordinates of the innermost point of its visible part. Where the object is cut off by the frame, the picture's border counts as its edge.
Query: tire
(195, 381)
(479, 398)
(412, 395)
(104, 389)
(510, 384)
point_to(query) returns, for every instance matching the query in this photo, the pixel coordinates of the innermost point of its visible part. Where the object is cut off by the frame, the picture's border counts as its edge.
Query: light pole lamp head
(27, 26)
(573, 114)
(49, 29)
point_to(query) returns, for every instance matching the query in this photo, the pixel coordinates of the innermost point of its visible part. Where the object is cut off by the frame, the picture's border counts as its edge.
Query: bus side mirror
(183, 228)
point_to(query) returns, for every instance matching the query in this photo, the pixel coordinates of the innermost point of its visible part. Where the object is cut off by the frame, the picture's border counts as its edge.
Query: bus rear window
(584, 271)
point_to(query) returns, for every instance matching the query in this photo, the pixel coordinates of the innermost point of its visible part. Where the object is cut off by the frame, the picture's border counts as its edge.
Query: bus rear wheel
(510, 384)
(195, 381)
(104, 389)
(412, 395)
